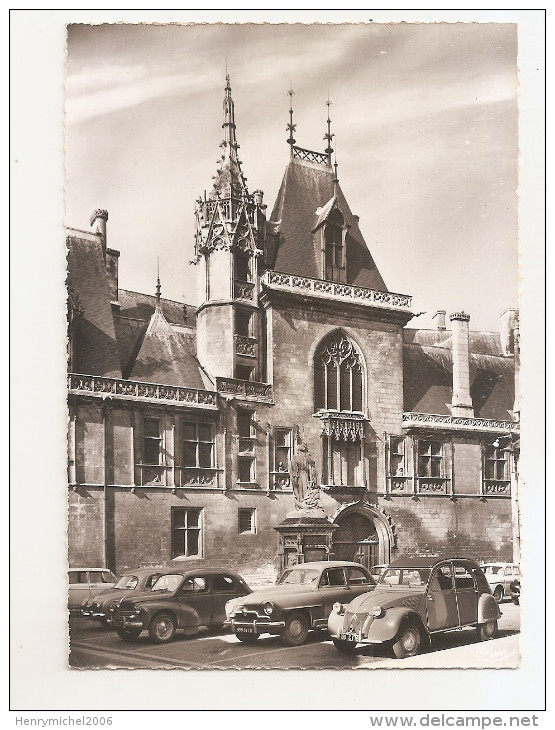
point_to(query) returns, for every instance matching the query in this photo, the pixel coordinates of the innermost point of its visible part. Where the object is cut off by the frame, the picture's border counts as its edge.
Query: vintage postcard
(293, 347)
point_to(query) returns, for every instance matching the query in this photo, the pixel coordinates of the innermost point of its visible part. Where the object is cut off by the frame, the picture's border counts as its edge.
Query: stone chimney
(98, 224)
(461, 404)
(440, 314)
(509, 322)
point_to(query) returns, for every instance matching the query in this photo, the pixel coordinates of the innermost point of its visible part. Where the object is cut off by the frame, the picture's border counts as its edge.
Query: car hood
(109, 595)
(386, 598)
(143, 597)
(273, 593)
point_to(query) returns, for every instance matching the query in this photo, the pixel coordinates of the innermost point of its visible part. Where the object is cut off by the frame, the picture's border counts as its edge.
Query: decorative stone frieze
(430, 420)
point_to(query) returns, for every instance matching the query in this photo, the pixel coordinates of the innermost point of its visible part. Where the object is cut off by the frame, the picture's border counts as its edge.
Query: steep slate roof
(141, 306)
(428, 373)
(165, 356)
(306, 187)
(94, 339)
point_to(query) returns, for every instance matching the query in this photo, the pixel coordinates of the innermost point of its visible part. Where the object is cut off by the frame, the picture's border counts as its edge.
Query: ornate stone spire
(229, 181)
(158, 287)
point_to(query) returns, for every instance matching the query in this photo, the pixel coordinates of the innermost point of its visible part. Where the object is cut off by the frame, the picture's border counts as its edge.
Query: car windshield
(168, 583)
(408, 577)
(127, 582)
(298, 576)
(492, 569)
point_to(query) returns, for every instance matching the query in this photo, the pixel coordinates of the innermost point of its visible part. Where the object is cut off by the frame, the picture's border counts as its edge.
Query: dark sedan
(181, 599)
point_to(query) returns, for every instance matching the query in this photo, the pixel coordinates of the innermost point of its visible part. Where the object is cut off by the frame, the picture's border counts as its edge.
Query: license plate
(348, 637)
(245, 630)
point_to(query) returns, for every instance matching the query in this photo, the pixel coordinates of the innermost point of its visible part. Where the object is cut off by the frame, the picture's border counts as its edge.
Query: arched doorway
(362, 536)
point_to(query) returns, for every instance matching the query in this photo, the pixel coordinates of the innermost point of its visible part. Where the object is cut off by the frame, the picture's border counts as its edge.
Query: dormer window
(334, 247)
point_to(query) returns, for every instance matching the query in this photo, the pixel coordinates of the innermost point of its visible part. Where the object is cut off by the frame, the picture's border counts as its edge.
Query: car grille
(250, 614)
(118, 615)
(353, 622)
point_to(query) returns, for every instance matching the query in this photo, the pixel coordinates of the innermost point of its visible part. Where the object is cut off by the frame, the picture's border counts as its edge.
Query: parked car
(376, 571)
(141, 579)
(86, 582)
(181, 599)
(415, 599)
(301, 600)
(500, 576)
(515, 591)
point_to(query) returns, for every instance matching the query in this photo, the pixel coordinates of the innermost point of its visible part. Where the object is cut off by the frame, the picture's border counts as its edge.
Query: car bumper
(127, 622)
(254, 626)
(90, 614)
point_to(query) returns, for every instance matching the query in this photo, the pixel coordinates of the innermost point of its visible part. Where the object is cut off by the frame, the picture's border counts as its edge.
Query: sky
(426, 137)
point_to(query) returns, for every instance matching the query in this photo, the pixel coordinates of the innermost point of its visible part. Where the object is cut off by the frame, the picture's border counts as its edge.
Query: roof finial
(291, 127)
(329, 135)
(158, 287)
(335, 178)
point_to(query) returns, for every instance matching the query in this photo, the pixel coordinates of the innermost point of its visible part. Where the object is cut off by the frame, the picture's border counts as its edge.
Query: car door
(441, 600)
(358, 581)
(467, 595)
(333, 587)
(194, 593)
(223, 589)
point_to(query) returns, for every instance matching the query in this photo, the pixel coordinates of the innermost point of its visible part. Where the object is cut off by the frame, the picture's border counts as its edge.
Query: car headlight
(136, 607)
(339, 608)
(268, 608)
(377, 612)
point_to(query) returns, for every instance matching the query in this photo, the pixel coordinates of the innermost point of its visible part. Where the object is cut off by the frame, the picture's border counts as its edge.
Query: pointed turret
(229, 239)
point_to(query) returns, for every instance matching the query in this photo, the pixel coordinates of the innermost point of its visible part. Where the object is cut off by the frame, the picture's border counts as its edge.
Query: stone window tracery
(337, 375)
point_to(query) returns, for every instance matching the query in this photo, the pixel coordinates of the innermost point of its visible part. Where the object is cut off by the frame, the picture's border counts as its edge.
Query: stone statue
(303, 480)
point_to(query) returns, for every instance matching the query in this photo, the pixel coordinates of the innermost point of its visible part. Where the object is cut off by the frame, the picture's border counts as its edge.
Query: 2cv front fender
(488, 609)
(387, 627)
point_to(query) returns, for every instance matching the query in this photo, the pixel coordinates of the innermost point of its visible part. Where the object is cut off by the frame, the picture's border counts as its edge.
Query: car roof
(501, 565)
(104, 570)
(321, 564)
(202, 571)
(148, 571)
(427, 562)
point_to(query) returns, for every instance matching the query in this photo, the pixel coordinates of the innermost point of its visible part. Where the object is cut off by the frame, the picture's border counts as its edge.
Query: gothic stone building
(183, 421)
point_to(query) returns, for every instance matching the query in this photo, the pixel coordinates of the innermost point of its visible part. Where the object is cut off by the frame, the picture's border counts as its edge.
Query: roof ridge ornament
(291, 127)
(329, 134)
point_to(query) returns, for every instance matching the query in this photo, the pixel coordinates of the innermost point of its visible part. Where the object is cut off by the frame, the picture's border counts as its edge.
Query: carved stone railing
(133, 390)
(244, 388)
(399, 485)
(458, 422)
(303, 154)
(245, 346)
(342, 426)
(334, 291)
(192, 476)
(493, 487)
(280, 480)
(243, 289)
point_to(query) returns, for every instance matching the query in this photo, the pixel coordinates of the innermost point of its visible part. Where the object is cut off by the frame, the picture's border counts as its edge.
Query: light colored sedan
(84, 583)
(500, 576)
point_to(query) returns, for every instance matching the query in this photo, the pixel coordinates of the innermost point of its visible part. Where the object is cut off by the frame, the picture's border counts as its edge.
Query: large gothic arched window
(337, 375)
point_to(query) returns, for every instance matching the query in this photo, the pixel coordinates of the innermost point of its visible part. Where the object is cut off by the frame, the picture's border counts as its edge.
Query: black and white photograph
(293, 387)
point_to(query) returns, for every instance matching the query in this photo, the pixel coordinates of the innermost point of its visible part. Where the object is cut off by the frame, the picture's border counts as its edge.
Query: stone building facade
(183, 421)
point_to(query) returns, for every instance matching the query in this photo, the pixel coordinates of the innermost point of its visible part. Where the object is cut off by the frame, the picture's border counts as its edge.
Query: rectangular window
(244, 372)
(242, 268)
(430, 459)
(396, 457)
(342, 462)
(197, 445)
(245, 469)
(247, 521)
(152, 441)
(243, 324)
(283, 440)
(495, 466)
(186, 532)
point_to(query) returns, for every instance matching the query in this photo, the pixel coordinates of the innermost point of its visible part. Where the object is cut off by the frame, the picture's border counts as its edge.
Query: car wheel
(162, 628)
(128, 634)
(248, 638)
(407, 642)
(345, 647)
(296, 629)
(487, 631)
(498, 593)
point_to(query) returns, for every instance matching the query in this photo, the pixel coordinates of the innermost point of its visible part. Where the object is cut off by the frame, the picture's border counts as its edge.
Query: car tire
(345, 647)
(296, 629)
(498, 593)
(162, 628)
(128, 634)
(248, 638)
(488, 630)
(408, 641)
